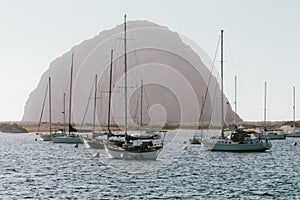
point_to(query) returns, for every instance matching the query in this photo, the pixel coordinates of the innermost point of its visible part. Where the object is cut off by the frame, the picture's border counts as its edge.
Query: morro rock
(176, 80)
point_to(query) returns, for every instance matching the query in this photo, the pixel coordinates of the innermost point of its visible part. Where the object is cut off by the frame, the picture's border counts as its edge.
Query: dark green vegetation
(12, 128)
(25, 127)
(270, 125)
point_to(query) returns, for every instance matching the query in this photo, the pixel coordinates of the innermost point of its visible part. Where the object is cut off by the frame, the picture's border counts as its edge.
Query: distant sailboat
(69, 138)
(130, 147)
(196, 139)
(46, 136)
(240, 140)
(270, 134)
(294, 133)
(145, 130)
(94, 142)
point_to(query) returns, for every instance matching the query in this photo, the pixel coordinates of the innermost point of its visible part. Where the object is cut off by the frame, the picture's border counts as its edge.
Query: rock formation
(175, 80)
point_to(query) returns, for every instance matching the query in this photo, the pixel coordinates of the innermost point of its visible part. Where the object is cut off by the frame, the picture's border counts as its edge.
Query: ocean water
(43, 170)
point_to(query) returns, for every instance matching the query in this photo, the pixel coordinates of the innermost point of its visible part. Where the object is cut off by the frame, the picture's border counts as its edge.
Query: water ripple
(41, 170)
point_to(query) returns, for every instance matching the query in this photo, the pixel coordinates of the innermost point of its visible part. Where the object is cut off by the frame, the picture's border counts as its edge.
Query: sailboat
(295, 133)
(270, 134)
(94, 142)
(144, 131)
(69, 138)
(46, 136)
(126, 146)
(196, 139)
(239, 140)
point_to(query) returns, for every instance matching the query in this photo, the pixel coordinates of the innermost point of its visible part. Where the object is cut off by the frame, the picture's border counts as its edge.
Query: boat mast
(43, 106)
(64, 112)
(50, 105)
(222, 97)
(202, 109)
(294, 109)
(95, 104)
(70, 98)
(109, 92)
(265, 108)
(142, 90)
(235, 99)
(125, 75)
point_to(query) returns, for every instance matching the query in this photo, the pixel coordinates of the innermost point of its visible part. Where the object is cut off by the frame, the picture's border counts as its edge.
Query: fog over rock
(175, 79)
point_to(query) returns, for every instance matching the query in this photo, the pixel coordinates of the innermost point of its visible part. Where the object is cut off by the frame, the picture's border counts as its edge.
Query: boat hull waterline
(293, 134)
(67, 139)
(92, 143)
(223, 145)
(120, 153)
(274, 137)
(270, 136)
(45, 137)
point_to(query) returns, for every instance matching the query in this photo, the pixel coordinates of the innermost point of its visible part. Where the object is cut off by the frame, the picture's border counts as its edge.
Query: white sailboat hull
(120, 153)
(271, 136)
(228, 145)
(45, 136)
(93, 143)
(274, 137)
(293, 134)
(68, 139)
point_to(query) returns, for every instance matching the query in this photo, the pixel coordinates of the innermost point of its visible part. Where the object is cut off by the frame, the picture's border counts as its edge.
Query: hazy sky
(261, 43)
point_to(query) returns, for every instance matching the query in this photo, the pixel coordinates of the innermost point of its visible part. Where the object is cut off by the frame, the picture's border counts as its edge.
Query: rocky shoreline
(27, 127)
(12, 128)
